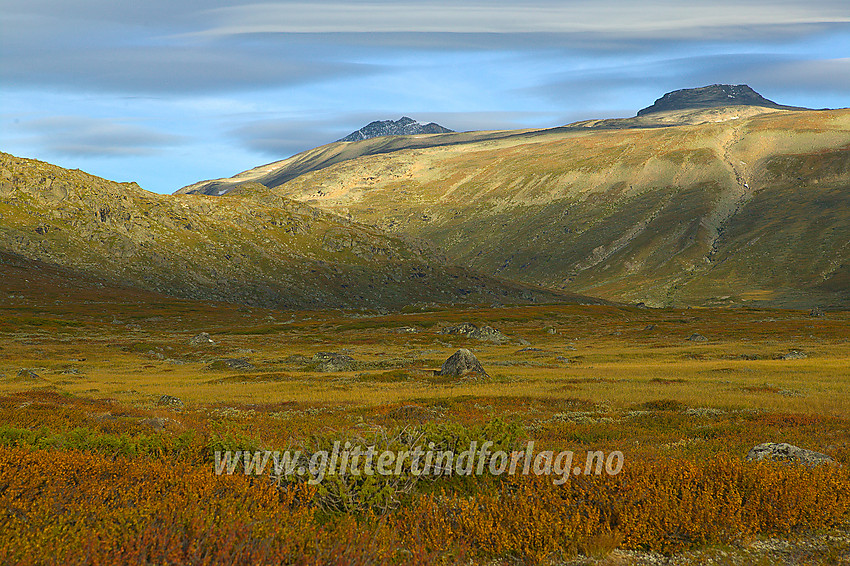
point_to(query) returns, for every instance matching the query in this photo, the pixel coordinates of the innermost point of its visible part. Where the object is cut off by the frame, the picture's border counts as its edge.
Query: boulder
(462, 363)
(783, 452)
(697, 338)
(816, 312)
(202, 339)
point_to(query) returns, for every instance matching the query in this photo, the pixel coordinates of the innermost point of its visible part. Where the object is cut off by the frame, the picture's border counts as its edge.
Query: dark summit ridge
(712, 96)
(403, 127)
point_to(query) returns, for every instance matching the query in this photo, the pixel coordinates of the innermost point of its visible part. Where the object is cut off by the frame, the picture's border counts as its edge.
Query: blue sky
(170, 92)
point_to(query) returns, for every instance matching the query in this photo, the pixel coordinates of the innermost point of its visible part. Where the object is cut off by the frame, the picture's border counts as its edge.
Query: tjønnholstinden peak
(404, 126)
(712, 96)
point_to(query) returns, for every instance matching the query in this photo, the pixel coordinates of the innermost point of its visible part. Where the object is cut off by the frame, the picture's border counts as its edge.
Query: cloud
(831, 75)
(649, 19)
(96, 137)
(281, 138)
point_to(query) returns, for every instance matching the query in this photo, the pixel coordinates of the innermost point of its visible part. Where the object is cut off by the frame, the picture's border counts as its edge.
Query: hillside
(259, 249)
(719, 206)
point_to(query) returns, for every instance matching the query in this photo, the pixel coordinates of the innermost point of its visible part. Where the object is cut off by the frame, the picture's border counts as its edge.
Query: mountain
(253, 247)
(724, 205)
(402, 127)
(712, 96)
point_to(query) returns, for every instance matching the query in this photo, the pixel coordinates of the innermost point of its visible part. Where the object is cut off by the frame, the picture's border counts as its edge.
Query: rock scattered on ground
(816, 312)
(25, 373)
(463, 363)
(156, 423)
(333, 361)
(406, 330)
(413, 413)
(231, 363)
(784, 452)
(171, 402)
(202, 339)
(794, 355)
(485, 333)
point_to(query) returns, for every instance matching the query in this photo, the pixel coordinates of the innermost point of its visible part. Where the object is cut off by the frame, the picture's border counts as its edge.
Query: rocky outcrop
(783, 452)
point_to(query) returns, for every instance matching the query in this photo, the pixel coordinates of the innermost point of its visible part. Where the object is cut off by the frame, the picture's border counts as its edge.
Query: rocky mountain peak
(404, 126)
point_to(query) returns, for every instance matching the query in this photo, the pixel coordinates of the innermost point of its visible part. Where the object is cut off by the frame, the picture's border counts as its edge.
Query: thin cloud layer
(658, 20)
(89, 137)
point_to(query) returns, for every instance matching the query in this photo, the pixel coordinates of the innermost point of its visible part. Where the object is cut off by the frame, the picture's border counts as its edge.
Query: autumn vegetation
(94, 471)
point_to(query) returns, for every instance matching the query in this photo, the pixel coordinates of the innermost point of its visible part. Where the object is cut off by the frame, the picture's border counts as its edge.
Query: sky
(170, 92)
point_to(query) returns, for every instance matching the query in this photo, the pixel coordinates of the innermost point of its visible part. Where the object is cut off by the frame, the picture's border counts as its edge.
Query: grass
(684, 413)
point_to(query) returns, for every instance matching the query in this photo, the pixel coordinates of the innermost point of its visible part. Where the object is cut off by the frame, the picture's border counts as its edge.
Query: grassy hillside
(265, 250)
(723, 206)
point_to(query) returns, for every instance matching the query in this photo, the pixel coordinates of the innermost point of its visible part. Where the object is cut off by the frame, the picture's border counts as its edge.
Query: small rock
(133, 327)
(697, 338)
(793, 355)
(816, 312)
(238, 363)
(170, 401)
(783, 452)
(25, 373)
(333, 361)
(202, 339)
(411, 413)
(552, 330)
(156, 423)
(462, 363)
(563, 359)
(649, 327)
(463, 329)
(406, 330)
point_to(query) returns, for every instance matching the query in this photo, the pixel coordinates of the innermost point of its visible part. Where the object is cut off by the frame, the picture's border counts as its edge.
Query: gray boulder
(783, 452)
(463, 363)
(697, 338)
